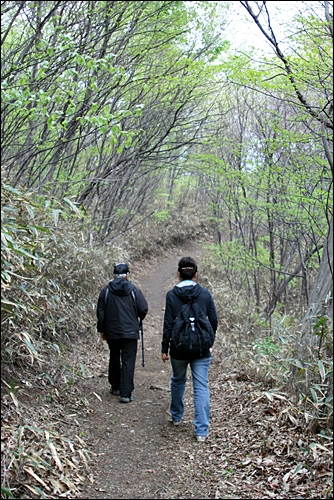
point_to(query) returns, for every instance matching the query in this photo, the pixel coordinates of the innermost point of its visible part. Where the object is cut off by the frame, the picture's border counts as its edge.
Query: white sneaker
(201, 439)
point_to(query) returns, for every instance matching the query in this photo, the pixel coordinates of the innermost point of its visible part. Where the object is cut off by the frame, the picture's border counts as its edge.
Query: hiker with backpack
(190, 324)
(121, 308)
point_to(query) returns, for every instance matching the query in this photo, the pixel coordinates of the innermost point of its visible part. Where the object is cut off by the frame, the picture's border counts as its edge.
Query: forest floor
(257, 447)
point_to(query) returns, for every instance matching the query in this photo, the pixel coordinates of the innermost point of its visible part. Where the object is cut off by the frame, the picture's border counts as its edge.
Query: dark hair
(187, 268)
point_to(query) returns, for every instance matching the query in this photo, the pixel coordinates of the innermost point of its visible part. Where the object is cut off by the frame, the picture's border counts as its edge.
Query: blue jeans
(200, 376)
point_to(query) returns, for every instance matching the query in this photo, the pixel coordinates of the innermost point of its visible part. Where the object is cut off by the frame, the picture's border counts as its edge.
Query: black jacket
(174, 304)
(119, 307)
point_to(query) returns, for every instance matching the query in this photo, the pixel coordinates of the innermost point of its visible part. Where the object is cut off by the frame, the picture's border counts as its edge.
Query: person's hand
(164, 357)
(103, 336)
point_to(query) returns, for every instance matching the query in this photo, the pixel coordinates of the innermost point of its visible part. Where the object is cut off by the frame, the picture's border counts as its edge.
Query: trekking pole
(142, 342)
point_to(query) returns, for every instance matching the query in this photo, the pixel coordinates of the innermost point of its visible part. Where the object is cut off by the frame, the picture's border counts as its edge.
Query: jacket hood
(186, 292)
(120, 286)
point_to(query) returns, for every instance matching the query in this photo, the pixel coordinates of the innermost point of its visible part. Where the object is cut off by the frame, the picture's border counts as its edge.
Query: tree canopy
(128, 112)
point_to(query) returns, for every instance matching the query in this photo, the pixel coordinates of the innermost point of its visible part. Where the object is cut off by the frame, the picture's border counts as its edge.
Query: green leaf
(320, 322)
(7, 492)
(74, 208)
(321, 370)
(15, 304)
(314, 395)
(24, 252)
(12, 190)
(40, 492)
(269, 395)
(297, 363)
(297, 469)
(30, 346)
(83, 370)
(55, 213)
(31, 211)
(48, 378)
(42, 228)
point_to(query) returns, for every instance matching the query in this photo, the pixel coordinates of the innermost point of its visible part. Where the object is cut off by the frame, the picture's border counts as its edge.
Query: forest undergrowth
(263, 442)
(138, 132)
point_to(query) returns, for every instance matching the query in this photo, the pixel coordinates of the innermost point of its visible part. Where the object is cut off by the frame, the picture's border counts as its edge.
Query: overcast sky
(245, 33)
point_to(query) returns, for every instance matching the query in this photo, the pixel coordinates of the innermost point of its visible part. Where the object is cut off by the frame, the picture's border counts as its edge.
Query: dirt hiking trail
(129, 439)
(253, 449)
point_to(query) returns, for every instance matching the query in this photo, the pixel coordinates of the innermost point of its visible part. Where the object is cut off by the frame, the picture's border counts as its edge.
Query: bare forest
(140, 132)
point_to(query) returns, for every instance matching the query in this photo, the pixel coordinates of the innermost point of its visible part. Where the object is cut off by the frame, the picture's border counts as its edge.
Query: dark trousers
(122, 362)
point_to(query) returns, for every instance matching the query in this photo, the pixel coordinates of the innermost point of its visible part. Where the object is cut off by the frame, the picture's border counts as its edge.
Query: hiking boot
(201, 439)
(127, 400)
(115, 392)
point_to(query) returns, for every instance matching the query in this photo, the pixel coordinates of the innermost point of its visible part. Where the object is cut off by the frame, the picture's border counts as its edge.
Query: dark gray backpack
(192, 331)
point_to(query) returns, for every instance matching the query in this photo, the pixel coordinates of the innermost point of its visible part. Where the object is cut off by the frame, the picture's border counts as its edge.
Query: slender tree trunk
(321, 305)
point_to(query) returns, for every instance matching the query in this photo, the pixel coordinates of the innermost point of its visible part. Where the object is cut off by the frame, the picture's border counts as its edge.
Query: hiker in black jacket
(119, 306)
(199, 361)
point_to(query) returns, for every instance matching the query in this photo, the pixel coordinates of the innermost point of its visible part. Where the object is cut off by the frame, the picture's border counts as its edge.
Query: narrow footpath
(257, 448)
(128, 440)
